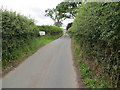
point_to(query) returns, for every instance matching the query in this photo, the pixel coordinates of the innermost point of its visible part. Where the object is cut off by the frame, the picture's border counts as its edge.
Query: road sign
(42, 33)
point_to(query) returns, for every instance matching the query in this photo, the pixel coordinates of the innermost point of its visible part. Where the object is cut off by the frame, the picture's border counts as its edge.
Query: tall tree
(68, 9)
(62, 11)
(54, 15)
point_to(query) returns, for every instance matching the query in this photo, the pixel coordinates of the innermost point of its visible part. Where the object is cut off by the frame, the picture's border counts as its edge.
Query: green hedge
(17, 30)
(51, 30)
(96, 28)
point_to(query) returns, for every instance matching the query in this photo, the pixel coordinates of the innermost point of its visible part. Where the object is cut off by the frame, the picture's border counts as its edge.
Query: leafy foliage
(86, 72)
(53, 14)
(17, 32)
(62, 11)
(67, 9)
(51, 30)
(96, 28)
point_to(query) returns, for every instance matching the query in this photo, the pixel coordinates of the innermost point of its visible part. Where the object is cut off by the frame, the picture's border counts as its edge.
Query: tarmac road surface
(50, 67)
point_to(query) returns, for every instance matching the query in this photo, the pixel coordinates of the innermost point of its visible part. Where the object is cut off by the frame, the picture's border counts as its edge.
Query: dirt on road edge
(78, 73)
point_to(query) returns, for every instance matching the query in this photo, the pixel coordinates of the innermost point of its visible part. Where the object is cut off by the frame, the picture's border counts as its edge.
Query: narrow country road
(50, 67)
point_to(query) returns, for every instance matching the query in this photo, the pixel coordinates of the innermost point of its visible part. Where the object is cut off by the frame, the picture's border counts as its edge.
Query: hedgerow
(51, 30)
(19, 32)
(96, 28)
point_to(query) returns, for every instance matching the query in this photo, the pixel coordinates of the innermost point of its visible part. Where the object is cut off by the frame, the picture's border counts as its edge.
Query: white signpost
(42, 33)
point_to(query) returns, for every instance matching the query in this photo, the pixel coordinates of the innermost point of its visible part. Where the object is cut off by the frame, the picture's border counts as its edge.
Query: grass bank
(28, 49)
(88, 76)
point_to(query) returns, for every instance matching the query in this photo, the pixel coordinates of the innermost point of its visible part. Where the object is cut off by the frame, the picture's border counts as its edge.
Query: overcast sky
(33, 8)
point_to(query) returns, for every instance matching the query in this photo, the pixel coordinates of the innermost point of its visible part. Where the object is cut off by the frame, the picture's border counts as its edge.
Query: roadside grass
(87, 74)
(21, 53)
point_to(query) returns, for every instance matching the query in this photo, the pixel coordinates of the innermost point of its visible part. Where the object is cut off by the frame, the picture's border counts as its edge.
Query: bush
(20, 37)
(96, 28)
(51, 30)
(17, 31)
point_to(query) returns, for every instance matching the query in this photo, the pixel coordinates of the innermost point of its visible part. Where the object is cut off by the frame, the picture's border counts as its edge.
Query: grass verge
(21, 53)
(87, 74)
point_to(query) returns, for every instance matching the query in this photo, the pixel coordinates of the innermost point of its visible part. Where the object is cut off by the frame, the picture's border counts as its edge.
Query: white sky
(33, 8)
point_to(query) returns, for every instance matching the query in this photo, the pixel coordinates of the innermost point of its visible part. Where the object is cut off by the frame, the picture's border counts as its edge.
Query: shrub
(17, 31)
(96, 28)
(51, 30)
(20, 32)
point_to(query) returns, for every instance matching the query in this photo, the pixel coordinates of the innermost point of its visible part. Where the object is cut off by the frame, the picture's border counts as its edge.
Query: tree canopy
(62, 11)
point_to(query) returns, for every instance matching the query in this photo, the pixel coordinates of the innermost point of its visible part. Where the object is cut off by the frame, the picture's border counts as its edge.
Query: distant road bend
(50, 67)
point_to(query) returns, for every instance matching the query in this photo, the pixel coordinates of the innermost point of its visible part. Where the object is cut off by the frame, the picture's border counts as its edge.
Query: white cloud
(33, 8)
(45, 21)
